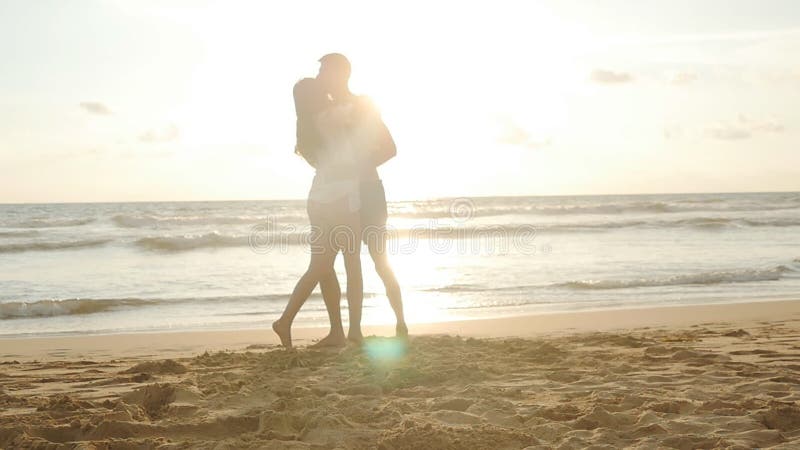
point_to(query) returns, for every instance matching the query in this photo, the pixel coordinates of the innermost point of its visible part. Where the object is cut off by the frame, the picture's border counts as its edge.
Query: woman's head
(310, 98)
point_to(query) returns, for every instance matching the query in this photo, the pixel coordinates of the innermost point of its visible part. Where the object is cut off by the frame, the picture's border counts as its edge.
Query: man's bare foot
(401, 330)
(283, 332)
(355, 336)
(333, 339)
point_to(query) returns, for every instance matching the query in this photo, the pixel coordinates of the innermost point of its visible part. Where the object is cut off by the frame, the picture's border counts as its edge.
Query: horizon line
(406, 200)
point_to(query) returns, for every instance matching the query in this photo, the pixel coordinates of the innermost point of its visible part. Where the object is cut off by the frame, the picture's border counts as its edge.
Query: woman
(324, 139)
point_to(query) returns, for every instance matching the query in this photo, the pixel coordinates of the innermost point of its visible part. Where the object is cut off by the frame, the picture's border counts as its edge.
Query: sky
(144, 100)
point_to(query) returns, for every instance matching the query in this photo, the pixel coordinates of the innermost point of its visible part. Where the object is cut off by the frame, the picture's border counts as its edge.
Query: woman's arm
(305, 142)
(306, 93)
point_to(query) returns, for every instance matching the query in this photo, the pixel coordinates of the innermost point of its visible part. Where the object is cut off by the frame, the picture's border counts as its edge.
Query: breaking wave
(440, 208)
(276, 236)
(78, 306)
(47, 246)
(704, 278)
(149, 221)
(47, 308)
(14, 234)
(191, 242)
(50, 223)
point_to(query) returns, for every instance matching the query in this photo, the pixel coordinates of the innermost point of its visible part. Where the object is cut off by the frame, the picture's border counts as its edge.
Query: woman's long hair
(309, 99)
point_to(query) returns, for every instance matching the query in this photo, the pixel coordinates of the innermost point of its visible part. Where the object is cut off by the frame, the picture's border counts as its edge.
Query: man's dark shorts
(373, 210)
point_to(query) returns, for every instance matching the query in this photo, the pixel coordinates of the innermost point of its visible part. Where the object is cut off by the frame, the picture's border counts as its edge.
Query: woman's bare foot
(355, 336)
(401, 330)
(283, 332)
(333, 339)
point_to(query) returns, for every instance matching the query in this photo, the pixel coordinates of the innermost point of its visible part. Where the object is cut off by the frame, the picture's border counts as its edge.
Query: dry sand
(691, 377)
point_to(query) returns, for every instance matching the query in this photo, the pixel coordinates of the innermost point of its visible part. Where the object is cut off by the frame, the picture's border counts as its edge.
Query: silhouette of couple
(342, 136)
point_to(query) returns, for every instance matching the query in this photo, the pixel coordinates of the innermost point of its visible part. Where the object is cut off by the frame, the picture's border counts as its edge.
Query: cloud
(154, 136)
(610, 77)
(97, 108)
(728, 132)
(80, 153)
(513, 134)
(682, 78)
(780, 76)
(767, 126)
(743, 127)
(130, 154)
(700, 38)
(673, 132)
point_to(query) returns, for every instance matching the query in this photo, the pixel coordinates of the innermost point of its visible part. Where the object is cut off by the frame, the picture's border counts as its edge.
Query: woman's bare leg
(347, 238)
(320, 267)
(355, 292)
(332, 295)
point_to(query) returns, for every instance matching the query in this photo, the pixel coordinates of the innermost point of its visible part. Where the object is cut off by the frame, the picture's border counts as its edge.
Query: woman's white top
(340, 158)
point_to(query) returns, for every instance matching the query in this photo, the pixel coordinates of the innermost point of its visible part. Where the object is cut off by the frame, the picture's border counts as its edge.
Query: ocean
(100, 268)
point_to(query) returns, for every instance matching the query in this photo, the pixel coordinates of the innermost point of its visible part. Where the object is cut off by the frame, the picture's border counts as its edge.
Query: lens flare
(385, 349)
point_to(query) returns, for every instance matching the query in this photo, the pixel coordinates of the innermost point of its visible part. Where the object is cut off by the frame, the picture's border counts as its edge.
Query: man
(334, 74)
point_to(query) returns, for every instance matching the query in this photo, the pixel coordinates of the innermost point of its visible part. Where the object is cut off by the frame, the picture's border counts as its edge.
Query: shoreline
(174, 344)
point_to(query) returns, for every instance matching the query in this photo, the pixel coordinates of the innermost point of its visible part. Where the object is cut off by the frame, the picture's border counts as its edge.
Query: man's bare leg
(377, 250)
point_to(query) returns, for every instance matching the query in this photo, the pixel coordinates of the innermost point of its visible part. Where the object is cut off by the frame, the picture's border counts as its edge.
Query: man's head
(334, 73)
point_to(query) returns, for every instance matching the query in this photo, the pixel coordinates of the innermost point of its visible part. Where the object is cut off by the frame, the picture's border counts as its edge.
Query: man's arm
(385, 148)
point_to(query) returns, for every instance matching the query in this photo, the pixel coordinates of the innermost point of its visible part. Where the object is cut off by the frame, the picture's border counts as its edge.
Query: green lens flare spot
(385, 349)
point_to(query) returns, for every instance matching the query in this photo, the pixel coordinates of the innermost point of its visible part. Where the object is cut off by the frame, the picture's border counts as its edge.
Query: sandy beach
(717, 376)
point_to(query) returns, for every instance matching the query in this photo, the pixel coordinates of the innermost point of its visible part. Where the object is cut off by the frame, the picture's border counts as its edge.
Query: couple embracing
(342, 136)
